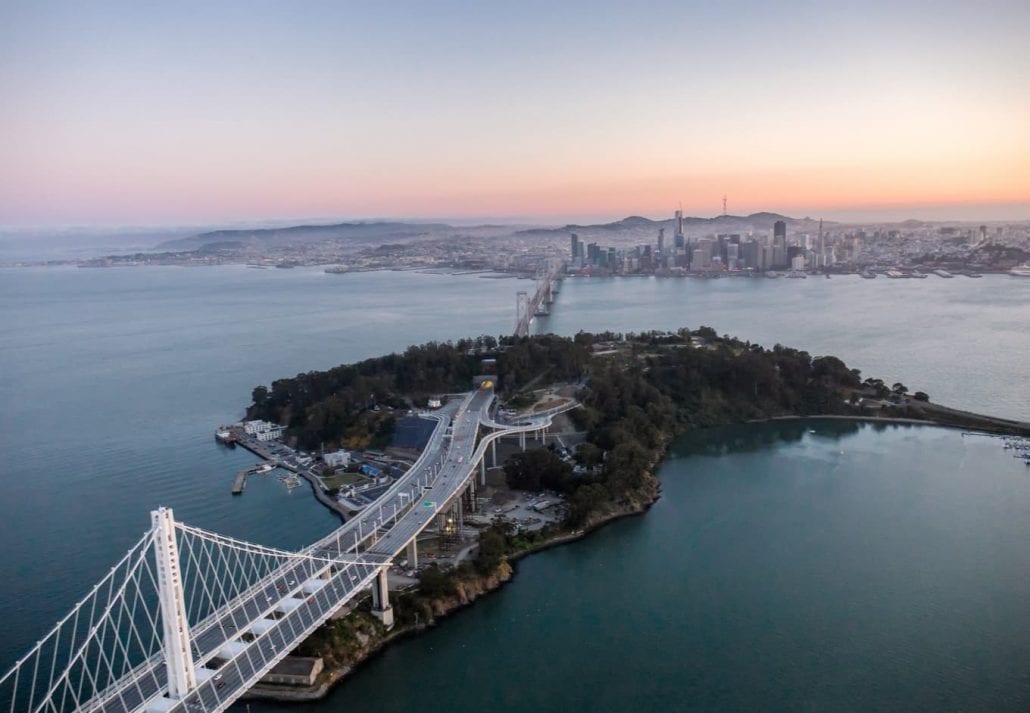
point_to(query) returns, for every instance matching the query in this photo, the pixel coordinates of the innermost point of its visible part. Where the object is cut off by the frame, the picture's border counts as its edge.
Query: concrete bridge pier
(482, 472)
(459, 515)
(413, 553)
(493, 452)
(381, 608)
(522, 440)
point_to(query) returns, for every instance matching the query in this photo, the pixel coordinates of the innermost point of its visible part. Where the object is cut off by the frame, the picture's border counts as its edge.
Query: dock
(240, 481)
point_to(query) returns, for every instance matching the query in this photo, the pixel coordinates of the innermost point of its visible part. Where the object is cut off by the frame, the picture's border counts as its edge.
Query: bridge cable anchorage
(112, 649)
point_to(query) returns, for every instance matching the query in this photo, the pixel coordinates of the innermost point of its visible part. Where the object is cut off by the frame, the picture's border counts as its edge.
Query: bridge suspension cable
(111, 644)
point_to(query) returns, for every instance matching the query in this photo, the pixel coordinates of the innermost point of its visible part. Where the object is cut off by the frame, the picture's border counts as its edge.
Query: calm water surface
(964, 341)
(112, 381)
(850, 569)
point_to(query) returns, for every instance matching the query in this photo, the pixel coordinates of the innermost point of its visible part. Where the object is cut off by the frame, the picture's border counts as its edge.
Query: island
(634, 394)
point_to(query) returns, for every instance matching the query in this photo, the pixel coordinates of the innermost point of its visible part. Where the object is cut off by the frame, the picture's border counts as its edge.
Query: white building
(269, 434)
(337, 459)
(263, 430)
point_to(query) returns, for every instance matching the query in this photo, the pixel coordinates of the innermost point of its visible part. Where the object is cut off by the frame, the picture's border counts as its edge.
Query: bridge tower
(178, 655)
(522, 314)
(381, 608)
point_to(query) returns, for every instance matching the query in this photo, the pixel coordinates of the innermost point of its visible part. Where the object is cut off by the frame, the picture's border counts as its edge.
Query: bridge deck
(283, 611)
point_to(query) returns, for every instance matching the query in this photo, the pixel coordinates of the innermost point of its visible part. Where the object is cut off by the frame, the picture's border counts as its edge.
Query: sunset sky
(179, 112)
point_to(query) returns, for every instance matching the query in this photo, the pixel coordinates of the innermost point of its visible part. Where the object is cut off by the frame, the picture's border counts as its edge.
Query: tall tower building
(780, 257)
(575, 246)
(661, 241)
(679, 230)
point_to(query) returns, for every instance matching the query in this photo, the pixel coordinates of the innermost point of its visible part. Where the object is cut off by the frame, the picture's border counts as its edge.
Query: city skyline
(133, 115)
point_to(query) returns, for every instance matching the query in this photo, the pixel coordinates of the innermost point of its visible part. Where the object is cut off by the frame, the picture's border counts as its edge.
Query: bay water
(112, 381)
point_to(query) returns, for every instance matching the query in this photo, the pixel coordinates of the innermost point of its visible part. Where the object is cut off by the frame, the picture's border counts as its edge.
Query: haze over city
(150, 114)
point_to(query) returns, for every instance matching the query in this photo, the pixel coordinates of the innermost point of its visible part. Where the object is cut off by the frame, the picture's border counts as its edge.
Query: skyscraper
(780, 258)
(575, 246)
(661, 241)
(679, 241)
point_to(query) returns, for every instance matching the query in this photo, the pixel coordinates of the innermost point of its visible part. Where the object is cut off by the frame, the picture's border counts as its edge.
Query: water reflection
(750, 438)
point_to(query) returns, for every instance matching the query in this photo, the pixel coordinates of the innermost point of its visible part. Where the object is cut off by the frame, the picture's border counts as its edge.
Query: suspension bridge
(528, 306)
(188, 620)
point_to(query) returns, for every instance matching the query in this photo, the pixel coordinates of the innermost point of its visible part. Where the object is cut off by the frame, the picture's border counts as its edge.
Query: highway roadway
(254, 632)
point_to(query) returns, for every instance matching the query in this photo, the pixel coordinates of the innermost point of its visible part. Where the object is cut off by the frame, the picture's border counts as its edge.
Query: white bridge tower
(178, 655)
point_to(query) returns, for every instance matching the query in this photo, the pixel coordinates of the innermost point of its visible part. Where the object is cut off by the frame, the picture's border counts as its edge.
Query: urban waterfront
(113, 380)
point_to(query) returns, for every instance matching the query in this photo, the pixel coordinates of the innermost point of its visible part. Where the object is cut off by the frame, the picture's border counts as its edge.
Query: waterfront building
(750, 253)
(780, 257)
(336, 459)
(262, 430)
(732, 256)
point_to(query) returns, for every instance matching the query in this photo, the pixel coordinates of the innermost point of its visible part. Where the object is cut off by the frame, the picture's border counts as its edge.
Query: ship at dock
(1020, 270)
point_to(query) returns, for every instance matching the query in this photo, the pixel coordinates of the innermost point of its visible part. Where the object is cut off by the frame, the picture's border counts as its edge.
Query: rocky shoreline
(371, 637)
(375, 638)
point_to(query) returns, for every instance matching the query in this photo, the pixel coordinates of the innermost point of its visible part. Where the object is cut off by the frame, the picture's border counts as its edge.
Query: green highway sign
(428, 504)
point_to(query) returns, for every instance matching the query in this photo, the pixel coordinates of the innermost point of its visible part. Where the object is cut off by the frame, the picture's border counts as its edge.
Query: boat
(943, 273)
(868, 274)
(919, 275)
(1020, 270)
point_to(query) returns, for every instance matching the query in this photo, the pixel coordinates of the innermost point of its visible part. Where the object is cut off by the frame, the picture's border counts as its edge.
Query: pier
(257, 448)
(240, 482)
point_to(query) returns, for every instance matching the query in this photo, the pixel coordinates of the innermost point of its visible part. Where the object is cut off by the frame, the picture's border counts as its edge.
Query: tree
(899, 388)
(921, 396)
(586, 500)
(434, 582)
(493, 543)
(536, 470)
(588, 454)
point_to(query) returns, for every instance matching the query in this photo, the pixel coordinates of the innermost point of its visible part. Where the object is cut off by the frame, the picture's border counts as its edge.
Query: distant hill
(723, 223)
(359, 232)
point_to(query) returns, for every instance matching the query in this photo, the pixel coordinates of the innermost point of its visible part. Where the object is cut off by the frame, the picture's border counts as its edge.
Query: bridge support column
(459, 517)
(381, 608)
(178, 654)
(522, 440)
(413, 553)
(472, 492)
(482, 472)
(493, 452)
